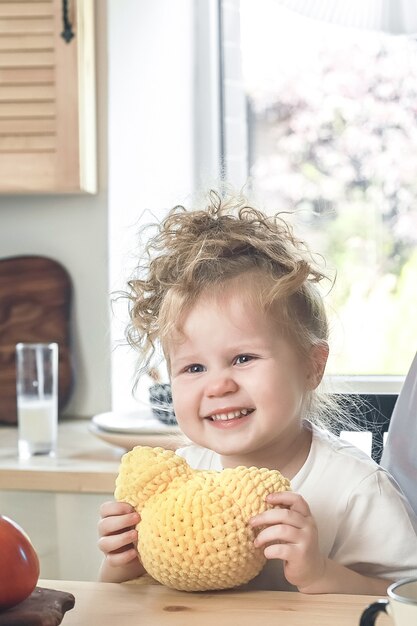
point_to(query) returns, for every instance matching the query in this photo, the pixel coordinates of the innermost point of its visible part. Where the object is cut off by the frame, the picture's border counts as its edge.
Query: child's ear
(318, 358)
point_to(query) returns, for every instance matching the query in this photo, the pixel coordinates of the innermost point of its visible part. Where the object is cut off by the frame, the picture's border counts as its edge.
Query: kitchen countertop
(83, 463)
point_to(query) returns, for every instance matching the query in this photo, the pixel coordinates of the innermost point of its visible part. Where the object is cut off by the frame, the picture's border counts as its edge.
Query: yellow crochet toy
(194, 533)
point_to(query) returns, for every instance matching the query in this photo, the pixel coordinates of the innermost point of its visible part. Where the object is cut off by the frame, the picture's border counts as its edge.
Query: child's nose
(220, 386)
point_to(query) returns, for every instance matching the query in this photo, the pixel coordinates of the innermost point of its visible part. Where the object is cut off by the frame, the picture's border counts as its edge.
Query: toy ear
(145, 471)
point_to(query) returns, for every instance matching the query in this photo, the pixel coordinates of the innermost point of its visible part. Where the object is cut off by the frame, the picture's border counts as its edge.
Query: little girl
(230, 294)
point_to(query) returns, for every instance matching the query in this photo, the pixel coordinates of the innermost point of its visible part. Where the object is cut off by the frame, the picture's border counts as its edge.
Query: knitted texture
(194, 533)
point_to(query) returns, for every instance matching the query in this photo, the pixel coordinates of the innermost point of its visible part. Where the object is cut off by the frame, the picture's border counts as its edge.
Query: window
(323, 120)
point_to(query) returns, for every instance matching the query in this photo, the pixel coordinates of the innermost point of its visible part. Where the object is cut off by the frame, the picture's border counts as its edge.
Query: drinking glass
(37, 398)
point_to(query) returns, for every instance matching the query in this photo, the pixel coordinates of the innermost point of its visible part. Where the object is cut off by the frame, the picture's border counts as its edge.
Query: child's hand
(118, 536)
(291, 535)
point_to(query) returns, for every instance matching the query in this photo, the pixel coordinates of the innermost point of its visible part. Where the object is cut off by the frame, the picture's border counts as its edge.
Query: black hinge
(67, 33)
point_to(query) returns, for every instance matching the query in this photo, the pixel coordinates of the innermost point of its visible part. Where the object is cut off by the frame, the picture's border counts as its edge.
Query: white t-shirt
(363, 519)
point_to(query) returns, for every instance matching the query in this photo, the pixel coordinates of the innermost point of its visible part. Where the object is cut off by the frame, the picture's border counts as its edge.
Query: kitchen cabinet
(47, 98)
(57, 500)
(62, 527)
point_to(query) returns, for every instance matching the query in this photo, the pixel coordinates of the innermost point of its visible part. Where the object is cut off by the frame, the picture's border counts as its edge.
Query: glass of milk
(37, 398)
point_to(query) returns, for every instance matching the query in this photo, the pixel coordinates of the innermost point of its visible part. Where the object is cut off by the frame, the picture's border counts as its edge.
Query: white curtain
(400, 452)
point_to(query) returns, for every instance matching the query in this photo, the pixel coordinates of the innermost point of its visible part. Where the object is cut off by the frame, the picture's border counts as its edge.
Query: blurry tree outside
(333, 138)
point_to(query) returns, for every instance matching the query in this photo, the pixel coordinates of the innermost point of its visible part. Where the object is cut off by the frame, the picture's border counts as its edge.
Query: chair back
(370, 413)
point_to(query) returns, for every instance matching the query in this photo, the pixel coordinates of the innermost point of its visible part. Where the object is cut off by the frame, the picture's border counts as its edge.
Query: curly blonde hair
(193, 251)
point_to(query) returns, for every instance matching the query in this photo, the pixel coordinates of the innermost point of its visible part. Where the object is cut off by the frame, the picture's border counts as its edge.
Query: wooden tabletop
(106, 604)
(83, 463)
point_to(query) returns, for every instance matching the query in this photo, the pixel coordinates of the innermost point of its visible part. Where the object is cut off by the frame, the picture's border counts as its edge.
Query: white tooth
(229, 416)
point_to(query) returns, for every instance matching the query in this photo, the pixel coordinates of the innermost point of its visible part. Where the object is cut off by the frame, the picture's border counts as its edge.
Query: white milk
(37, 420)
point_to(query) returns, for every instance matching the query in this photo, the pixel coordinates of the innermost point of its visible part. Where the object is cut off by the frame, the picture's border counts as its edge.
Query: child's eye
(195, 368)
(243, 358)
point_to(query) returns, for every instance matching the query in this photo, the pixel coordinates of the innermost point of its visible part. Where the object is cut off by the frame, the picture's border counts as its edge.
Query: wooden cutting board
(35, 299)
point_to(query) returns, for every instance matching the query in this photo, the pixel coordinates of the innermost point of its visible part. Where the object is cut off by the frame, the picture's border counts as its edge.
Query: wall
(146, 71)
(73, 230)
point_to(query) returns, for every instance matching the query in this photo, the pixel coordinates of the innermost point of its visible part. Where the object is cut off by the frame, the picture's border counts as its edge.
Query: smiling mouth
(231, 415)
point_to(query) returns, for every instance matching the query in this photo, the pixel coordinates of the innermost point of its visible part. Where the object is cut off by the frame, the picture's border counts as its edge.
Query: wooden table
(106, 604)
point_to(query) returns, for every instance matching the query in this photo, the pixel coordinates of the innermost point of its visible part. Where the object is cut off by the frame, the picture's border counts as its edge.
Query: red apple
(19, 564)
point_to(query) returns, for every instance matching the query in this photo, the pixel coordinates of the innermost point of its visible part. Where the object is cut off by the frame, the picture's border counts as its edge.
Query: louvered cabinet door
(47, 98)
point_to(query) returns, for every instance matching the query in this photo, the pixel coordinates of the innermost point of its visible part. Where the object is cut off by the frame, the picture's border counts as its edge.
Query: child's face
(231, 362)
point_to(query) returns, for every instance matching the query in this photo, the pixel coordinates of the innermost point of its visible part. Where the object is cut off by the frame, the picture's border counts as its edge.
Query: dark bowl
(160, 399)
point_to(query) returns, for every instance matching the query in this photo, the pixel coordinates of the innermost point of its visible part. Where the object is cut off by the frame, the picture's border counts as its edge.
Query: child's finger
(115, 524)
(110, 508)
(122, 558)
(292, 500)
(111, 543)
(281, 533)
(284, 551)
(278, 516)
